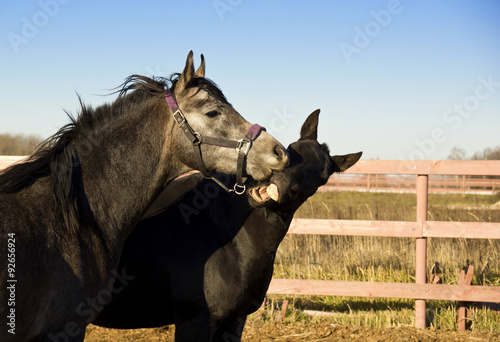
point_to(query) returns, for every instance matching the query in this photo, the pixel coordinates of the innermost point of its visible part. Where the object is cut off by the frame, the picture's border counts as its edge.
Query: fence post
(421, 248)
(463, 306)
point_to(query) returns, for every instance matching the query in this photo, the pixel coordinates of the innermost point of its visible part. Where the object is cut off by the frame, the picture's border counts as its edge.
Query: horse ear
(342, 163)
(310, 127)
(201, 69)
(187, 73)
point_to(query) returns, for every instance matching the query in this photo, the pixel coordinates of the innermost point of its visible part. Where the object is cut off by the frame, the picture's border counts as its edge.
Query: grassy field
(387, 260)
(368, 259)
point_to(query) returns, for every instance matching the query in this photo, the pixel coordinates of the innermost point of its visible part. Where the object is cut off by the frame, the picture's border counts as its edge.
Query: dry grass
(389, 259)
(368, 259)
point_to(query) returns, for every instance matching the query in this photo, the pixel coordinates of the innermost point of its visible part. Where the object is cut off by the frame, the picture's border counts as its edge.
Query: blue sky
(395, 79)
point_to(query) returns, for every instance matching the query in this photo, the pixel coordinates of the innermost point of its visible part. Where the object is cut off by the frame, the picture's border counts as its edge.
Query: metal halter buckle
(239, 189)
(179, 117)
(241, 143)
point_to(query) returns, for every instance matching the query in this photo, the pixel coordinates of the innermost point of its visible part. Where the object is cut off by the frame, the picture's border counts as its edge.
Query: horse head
(207, 122)
(310, 167)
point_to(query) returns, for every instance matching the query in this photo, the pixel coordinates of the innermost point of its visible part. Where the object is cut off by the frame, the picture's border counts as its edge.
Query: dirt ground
(300, 332)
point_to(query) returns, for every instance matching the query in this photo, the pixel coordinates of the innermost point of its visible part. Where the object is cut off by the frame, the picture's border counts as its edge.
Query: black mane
(58, 151)
(57, 156)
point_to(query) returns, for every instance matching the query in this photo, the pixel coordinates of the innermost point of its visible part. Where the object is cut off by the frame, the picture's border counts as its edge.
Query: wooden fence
(404, 183)
(421, 229)
(7, 160)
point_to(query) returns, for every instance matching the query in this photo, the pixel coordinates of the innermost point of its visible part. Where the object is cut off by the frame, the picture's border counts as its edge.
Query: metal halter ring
(239, 189)
(197, 138)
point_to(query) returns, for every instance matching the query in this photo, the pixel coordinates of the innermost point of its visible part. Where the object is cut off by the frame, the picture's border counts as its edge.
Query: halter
(242, 146)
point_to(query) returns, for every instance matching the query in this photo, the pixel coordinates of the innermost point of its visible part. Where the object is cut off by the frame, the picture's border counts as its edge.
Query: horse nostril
(278, 150)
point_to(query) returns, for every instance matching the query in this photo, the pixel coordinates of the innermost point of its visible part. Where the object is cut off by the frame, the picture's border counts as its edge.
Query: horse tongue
(263, 194)
(272, 191)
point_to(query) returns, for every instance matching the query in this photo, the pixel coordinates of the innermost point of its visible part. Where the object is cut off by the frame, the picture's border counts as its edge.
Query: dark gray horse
(206, 262)
(66, 211)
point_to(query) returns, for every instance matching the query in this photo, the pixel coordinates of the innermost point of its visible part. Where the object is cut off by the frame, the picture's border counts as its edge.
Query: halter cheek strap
(242, 146)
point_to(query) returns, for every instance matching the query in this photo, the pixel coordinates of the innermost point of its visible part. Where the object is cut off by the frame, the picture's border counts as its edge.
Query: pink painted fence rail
(7, 160)
(390, 183)
(421, 229)
(447, 181)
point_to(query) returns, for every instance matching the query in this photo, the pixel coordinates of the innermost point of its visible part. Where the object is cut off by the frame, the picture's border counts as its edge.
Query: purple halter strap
(171, 102)
(242, 146)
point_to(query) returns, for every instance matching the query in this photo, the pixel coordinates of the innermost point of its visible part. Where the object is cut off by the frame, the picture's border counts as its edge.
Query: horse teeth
(272, 191)
(256, 195)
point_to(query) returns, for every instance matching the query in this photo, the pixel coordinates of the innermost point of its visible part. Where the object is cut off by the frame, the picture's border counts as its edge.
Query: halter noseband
(242, 146)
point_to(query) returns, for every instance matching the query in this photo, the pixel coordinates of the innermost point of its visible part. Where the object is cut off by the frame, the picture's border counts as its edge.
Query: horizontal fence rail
(464, 293)
(405, 183)
(8, 160)
(439, 229)
(446, 176)
(421, 229)
(427, 167)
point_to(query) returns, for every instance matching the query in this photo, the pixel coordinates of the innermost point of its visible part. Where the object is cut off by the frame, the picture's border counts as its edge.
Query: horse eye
(212, 114)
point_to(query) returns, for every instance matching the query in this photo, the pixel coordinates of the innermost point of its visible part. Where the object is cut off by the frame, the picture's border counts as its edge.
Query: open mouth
(264, 193)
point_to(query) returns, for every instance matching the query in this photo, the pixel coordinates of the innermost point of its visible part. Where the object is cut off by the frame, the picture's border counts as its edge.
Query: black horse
(206, 262)
(66, 211)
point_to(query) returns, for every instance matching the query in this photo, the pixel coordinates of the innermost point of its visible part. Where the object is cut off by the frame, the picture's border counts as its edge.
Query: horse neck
(267, 228)
(126, 172)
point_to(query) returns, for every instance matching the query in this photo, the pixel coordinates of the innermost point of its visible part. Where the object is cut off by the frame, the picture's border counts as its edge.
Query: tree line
(18, 144)
(23, 145)
(488, 153)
